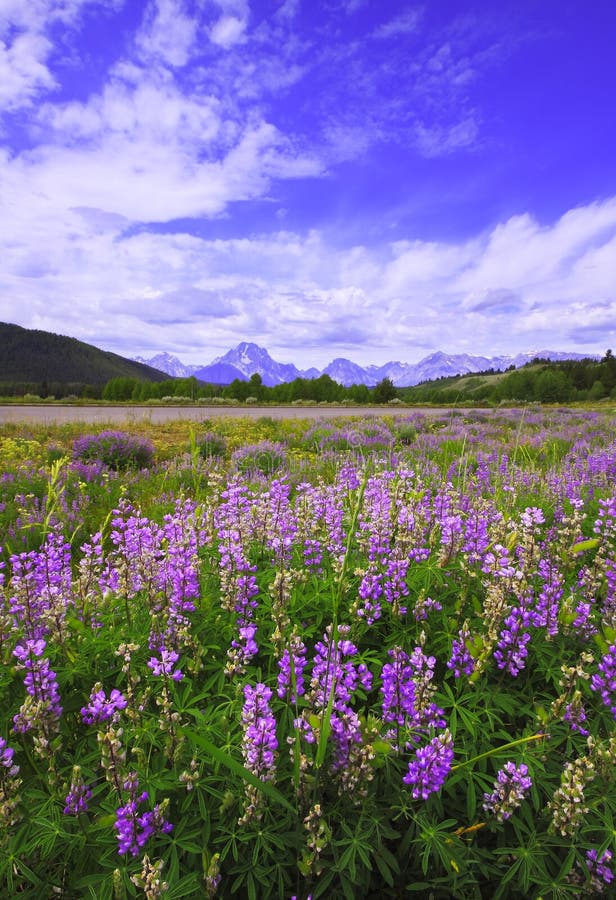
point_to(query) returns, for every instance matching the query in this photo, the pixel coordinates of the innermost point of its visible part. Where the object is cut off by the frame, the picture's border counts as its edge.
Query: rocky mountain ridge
(248, 358)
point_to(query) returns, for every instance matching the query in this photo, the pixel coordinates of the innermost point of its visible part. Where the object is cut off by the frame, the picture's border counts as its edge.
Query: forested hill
(541, 381)
(41, 360)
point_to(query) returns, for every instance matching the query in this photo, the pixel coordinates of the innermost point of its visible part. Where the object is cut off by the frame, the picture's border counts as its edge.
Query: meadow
(352, 658)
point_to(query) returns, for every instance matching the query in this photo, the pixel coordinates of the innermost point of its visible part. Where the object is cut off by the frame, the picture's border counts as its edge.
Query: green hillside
(42, 362)
(539, 381)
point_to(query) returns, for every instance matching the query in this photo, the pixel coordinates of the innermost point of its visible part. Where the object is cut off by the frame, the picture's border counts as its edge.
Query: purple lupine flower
(510, 789)
(423, 606)
(166, 665)
(451, 534)
(375, 519)
(292, 665)
(242, 650)
(260, 742)
(330, 670)
(334, 673)
(26, 605)
(9, 785)
(43, 711)
(497, 562)
(6, 758)
(102, 708)
(575, 715)
(394, 584)
(79, 795)
(398, 688)
(548, 601)
(313, 554)
(238, 584)
(582, 624)
(427, 714)
(461, 661)
(605, 683)
(133, 564)
(511, 649)
(134, 828)
(476, 538)
(370, 590)
(531, 517)
(601, 875)
(281, 523)
(40, 589)
(429, 768)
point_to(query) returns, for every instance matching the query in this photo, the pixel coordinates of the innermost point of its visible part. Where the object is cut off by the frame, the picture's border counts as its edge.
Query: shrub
(115, 449)
(405, 433)
(211, 445)
(266, 457)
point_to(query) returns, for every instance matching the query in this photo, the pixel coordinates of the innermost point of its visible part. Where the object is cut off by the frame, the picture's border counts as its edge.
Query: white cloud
(405, 23)
(227, 31)
(168, 33)
(77, 273)
(147, 152)
(26, 47)
(435, 140)
(23, 70)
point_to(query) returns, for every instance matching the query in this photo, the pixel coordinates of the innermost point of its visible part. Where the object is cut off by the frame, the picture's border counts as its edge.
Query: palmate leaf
(237, 768)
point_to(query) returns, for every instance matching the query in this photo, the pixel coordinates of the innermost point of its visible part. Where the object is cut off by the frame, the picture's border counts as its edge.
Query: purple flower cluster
(102, 708)
(260, 743)
(398, 688)
(291, 675)
(370, 590)
(428, 770)
(605, 683)
(375, 520)
(43, 710)
(512, 647)
(79, 795)
(394, 585)
(281, 523)
(134, 829)
(238, 584)
(165, 666)
(601, 875)
(115, 449)
(461, 660)
(575, 716)
(548, 601)
(9, 785)
(334, 673)
(6, 758)
(510, 789)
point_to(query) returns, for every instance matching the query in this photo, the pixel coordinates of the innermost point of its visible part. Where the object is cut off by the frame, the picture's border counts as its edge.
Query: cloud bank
(144, 212)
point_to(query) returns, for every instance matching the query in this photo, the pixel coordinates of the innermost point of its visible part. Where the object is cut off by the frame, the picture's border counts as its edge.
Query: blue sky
(375, 180)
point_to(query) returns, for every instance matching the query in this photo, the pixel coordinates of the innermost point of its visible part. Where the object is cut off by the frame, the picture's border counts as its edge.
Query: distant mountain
(250, 358)
(247, 358)
(40, 358)
(219, 373)
(346, 372)
(166, 362)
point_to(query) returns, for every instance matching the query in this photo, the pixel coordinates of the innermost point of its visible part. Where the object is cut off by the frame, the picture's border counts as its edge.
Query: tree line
(539, 381)
(319, 390)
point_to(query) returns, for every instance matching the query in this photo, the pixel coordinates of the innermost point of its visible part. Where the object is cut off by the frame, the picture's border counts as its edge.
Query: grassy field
(355, 658)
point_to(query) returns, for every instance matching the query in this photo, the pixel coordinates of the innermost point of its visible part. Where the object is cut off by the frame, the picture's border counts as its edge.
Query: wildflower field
(362, 658)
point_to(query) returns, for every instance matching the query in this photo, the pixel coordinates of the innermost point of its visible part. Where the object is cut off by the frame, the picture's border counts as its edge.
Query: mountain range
(247, 359)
